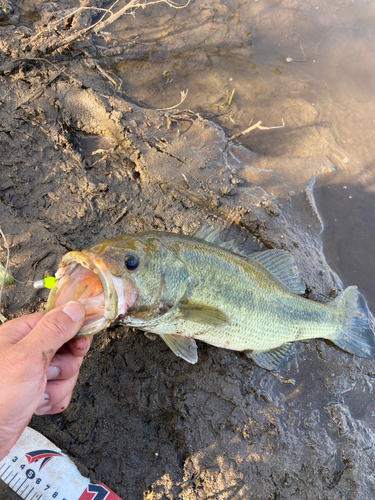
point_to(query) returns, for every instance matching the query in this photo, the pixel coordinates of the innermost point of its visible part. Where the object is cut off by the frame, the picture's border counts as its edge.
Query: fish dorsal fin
(202, 314)
(282, 265)
(183, 347)
(271, 360)
(211, 235)
(207, 233)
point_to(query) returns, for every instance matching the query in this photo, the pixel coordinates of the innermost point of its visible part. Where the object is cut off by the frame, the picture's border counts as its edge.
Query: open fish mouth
(88, 281)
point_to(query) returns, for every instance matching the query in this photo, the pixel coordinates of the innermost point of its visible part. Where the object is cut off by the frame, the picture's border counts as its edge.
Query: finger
(55, 392)
(63, 366)
(57, 407)
(79, 347)
(16, 329)
(53, 330)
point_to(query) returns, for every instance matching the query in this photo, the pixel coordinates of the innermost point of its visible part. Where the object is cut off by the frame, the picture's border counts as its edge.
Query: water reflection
(348, 210)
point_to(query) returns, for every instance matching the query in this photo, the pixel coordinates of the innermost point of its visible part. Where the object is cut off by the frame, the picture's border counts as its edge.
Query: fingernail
(42, 410)
(52, 372)
(74, 310)
(43, 401)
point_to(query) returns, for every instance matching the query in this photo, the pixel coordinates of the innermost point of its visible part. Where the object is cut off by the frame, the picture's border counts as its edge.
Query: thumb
(53, 331)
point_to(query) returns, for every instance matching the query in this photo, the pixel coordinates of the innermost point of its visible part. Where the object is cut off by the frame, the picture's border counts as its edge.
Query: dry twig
(97, 27)
(183, 97)
(246, 131)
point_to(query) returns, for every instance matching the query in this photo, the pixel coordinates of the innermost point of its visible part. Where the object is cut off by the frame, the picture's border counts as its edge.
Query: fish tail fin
(357, 331)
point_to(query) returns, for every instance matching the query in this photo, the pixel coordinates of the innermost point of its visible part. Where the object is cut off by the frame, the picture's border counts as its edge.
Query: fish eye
(131, 262)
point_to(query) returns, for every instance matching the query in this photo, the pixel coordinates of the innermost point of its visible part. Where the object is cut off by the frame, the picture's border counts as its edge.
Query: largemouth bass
(197, 287)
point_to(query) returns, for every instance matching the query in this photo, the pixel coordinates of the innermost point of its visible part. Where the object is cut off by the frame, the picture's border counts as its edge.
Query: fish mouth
(86, 279)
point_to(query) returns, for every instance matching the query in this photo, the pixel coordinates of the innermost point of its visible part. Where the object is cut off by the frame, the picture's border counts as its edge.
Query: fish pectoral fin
(204, 315)
(271, 360)
(183, 347)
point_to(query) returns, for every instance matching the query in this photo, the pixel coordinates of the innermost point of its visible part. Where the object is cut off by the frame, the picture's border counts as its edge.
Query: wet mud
(81, 162)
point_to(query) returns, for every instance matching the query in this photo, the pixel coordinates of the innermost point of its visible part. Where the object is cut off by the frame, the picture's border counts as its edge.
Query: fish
(197, 287)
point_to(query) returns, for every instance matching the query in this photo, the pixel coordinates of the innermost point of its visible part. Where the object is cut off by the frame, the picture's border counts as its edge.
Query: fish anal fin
(202, 314)
(271, 360)
(183, 347)
(281, 264)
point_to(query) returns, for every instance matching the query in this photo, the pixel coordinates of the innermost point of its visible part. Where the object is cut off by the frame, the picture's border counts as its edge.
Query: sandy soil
(81, 163)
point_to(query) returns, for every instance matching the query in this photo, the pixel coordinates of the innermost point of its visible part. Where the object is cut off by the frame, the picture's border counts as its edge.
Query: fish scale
(261, 317)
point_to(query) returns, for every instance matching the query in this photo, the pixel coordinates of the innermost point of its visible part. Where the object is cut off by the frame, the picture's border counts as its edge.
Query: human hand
(39, 366)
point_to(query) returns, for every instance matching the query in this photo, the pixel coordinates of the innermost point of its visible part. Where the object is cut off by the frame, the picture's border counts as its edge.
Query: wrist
(4, 449)
(3, 454)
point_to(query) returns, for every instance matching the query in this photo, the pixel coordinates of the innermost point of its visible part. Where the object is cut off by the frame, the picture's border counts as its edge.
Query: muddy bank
(80, 163)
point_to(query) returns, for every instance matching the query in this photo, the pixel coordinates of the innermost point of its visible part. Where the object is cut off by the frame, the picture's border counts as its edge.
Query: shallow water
(309, 65)
(347, 204)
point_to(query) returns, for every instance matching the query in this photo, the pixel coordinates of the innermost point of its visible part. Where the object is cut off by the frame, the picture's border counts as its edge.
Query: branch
(102, 23)
(183, 97)
(253, 127)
